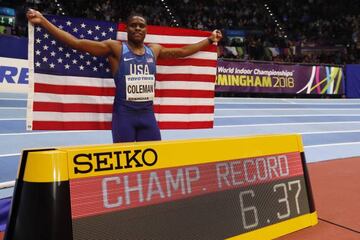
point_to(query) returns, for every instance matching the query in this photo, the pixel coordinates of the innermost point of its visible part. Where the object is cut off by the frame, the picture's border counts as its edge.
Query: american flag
(72, 90)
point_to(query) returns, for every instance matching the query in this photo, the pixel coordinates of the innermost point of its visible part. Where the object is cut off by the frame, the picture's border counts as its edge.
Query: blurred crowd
(310, 31)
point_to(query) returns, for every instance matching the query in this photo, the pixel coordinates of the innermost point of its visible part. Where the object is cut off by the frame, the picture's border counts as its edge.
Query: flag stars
(101, 64)
(53, 54)
(60, 49)
(37, 64)
(107, 70)
(74, 50)
(61, 26)
(75, 30)
(68, 23)
(60, 60)
(37, 52)
(67, 55)
(95, 69)
(52, 65)
(44, 59)
(94, 58)
(81, 56)
(111, 29)
(103, 34)
(88, 63)
(89, 32)
(67, 66)
(45, 47)
(82, 36)
(96, 38)
(53, 42)
(38, 29)
(74, 61)
(46, 35)
(97, 27)
(81, 67)
(38, 40)
(83, 25)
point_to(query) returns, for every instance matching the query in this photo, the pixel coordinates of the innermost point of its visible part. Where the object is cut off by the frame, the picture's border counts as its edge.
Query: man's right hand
(34, 17)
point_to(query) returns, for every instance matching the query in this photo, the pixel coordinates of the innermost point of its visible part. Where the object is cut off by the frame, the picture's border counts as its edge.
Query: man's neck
(137, 48)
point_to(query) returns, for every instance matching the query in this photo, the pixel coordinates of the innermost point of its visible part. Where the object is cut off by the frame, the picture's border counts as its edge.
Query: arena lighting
(169, 12)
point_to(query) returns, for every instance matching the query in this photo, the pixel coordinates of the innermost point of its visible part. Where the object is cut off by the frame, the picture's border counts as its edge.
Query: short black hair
(134, 14)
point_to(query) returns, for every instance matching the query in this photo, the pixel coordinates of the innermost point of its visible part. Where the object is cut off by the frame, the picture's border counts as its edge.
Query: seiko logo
(105, 161)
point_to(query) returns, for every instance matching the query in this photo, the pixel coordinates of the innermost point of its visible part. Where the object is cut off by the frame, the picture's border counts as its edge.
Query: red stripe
(185, 77)
(183, 109)
(185, 125)
(171, 31)
(184, 93)
(72, 107)
(74, 90)
(187, 62)
(56, 125)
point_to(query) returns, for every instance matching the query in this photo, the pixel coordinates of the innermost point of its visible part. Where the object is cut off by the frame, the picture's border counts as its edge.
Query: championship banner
(228, 188)
(248, 77)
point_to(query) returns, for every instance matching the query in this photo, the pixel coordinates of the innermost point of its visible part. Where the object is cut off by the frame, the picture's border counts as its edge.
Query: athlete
(133, 66)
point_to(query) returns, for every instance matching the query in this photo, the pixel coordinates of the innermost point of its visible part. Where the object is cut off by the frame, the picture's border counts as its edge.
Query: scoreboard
(230, 188)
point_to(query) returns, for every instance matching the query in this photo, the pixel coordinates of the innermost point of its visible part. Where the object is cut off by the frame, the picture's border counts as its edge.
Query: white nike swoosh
(128, 59)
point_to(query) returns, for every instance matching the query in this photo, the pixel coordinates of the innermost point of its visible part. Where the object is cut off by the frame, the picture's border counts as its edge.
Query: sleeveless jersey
(135, 80)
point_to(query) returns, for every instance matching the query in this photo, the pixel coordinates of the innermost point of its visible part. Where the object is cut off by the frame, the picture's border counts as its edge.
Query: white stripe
(294, 115)
(332, 144)
(185, 85)
(43, 133)
(63, 98)
(184, 101)
(284, 124)
(12, 108)
(74, 81)
(204, 55)
(12, 119)
(281, 103)
(330, 132)
(184, 117)
(14, 99)
(101, 117)
(186, 70)
(73, 117)
(10, 155)
(164, 39)
(9, 184)
(287, 109)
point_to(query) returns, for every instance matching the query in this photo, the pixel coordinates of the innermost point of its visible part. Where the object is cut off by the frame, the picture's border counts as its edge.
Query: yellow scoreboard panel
(229, 188)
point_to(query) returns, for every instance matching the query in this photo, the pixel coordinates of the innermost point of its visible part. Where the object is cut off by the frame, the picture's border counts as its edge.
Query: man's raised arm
(163, 53)
(93, 47)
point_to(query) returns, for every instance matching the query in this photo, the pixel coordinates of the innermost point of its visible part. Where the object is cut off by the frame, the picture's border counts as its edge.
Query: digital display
(217, 200)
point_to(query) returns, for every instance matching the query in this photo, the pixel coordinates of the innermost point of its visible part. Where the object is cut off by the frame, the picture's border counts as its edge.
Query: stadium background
(303, 32)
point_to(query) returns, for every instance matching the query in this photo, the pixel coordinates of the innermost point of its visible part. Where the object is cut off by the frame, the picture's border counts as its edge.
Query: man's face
(136, 29)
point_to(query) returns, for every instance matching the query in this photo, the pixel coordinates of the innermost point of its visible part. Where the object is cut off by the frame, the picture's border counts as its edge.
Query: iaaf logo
(106, 161)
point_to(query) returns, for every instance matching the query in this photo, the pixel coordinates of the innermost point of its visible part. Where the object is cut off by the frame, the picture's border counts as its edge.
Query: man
(133, 66)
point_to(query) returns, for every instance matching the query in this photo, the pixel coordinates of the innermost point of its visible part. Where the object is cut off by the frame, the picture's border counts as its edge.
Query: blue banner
(13, 47)
(353, 81)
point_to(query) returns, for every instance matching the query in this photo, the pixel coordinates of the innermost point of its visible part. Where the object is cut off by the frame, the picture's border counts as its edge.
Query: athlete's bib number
(140, 88)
